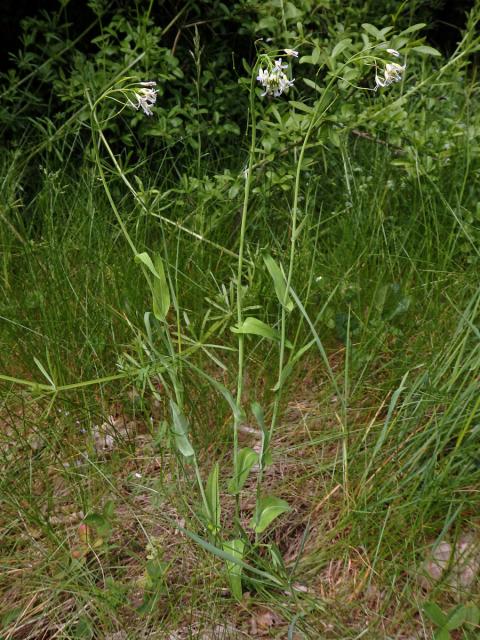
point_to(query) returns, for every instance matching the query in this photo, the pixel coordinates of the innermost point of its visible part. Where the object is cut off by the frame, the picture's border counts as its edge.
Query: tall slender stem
(317, 114)
(243, 226)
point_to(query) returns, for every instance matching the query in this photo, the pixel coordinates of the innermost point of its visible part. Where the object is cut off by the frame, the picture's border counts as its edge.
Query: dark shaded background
(444, 18)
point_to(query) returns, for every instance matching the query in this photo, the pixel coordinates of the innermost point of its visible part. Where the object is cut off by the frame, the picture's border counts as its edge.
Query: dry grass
(341, 586)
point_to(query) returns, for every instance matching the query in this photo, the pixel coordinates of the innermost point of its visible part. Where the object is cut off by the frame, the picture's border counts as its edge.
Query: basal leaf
(435, 614)
(267, 510)
(456, 618)
(234, 571)
(212, 494)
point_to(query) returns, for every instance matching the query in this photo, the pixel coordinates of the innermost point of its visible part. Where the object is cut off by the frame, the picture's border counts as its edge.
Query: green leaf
(109, 509)
(300, 106)
(245, 461)
(435, 614)
(145, 259)
(83, 630)
(276, 557)
(373, 31)
(266, 511)
(340, 46)
(160, 291)
(413, 28)
(156, 571)
(234, 571)
(442, 634)
(257, 327)
(180, 431)
(429, 51)
(456, 617)
(279, 282)
(313, 85)
(94, 520)
(159, 288)
(472, 614)
(265, 457)
(225, 554)
(212, 494)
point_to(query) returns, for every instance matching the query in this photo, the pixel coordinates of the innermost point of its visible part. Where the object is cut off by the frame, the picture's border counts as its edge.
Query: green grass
(376, 443)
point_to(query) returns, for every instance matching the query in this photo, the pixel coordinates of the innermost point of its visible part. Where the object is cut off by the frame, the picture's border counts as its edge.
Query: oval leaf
(429, 51)
(340, 46)
(267, 510)
(373, 31)
(180, 431)
(435, 614)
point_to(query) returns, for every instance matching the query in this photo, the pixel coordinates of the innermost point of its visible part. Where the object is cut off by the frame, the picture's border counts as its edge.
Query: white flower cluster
(393, 72)
(145, 97)
(274, 80)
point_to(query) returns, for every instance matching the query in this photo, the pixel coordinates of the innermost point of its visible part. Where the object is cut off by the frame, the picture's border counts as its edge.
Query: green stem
(317, 115)
(241, 337)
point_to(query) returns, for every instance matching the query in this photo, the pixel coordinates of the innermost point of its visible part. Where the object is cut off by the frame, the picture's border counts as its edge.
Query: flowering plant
(273, 78)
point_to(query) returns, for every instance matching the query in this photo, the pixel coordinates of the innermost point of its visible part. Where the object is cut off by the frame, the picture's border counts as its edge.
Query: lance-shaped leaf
(160, 291)
(266, 511)
(212, 495)
(159, 285)
(245, 461)
(145, 259)
(234, 571)
(265, 456)
(180, 431)
(279, 282)
(429, 51)
(259, 328)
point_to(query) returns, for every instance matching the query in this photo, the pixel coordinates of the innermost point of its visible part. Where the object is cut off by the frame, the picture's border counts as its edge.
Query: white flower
(291, 53)
(393, 72)
(146, 97)
(274, 81)
(279, 66)
(379, 81)
(393, 52)
(263, 76)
